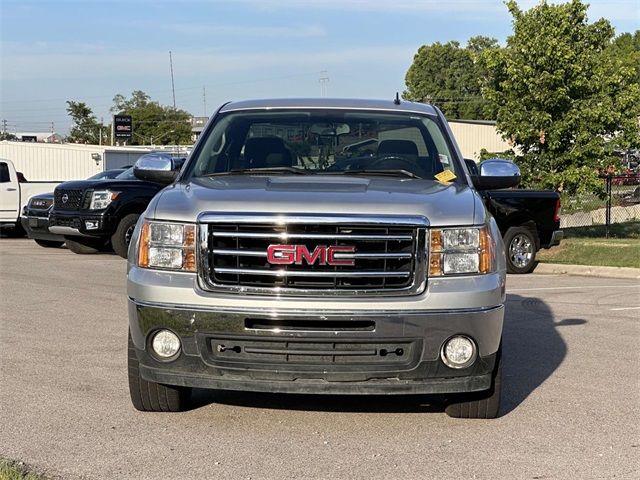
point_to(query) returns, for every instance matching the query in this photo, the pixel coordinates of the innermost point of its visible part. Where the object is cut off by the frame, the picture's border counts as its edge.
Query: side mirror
(496, 173)
(157, 167)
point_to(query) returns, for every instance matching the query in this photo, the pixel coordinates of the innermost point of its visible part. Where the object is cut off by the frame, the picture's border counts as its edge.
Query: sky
(90, 50)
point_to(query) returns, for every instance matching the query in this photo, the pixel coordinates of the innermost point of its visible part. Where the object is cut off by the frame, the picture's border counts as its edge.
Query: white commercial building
(67, 161)
(475, 135)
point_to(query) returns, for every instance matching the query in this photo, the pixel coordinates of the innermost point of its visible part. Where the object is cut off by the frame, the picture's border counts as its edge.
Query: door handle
(11, 189)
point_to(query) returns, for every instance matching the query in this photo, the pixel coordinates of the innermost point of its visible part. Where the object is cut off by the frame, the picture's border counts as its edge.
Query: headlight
(458, 251)
(167, 246)
(40, 203)
(100, 199)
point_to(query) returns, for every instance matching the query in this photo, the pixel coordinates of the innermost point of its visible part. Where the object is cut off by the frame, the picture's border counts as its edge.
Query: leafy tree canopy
(565, 94)
(85, 128)
(450, 77)
(153, 123)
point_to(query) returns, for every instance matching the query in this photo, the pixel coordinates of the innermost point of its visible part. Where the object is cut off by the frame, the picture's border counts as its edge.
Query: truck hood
(102, 184)
(441, 204)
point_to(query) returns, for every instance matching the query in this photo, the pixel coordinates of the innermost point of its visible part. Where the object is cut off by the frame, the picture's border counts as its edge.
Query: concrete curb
(587, 270)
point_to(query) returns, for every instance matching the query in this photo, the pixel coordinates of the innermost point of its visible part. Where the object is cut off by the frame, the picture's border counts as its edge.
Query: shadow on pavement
(532, 351)
(532, 348)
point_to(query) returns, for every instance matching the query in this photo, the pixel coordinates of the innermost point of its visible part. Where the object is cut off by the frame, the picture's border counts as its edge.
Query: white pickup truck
(15, 193)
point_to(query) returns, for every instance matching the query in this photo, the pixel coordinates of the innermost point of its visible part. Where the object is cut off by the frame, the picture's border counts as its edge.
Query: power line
(324, 83)
(158, 92)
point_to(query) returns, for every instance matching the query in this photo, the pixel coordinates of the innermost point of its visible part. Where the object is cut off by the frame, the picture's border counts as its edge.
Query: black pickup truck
(528, 220)
(91, 214)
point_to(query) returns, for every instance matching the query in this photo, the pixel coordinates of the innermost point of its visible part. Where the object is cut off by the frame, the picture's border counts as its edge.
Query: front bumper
(75, 223)
(316, 351)
(37, 228)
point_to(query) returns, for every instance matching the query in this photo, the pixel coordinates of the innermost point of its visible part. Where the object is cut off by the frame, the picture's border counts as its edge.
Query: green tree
(153, 123)
(451, 77)
(564, 101)
(85, 127)
(627, 48)
(8, 136)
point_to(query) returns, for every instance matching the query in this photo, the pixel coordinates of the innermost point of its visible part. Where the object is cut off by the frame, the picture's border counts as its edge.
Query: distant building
(197, 125)
(474, 135)
(39, 137)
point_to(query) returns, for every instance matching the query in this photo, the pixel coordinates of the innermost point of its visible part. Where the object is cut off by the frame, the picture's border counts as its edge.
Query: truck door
(9, 194)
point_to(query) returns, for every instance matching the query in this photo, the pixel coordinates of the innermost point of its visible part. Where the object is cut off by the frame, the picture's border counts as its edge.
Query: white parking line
(625, 308)
(577, 287)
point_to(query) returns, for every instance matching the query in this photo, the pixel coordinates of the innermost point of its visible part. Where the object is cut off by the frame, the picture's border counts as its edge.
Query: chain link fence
(619, 203)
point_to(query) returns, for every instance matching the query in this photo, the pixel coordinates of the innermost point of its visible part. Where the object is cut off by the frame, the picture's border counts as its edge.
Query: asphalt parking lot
(571, 399)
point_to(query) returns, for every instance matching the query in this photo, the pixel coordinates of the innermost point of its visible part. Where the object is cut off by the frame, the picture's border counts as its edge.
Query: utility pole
(4, 127)
(173, 90)
(101, 122)
(204, 99)
(324, 83)
(173, 87)
(53, 129)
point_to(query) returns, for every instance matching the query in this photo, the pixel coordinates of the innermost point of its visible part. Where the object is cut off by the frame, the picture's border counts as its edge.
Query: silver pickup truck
(319, 246)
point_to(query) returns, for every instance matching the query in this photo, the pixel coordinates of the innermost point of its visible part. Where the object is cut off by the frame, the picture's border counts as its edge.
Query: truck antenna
(397, 100)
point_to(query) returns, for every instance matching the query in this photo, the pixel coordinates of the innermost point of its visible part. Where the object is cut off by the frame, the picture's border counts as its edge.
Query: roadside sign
(122, 126)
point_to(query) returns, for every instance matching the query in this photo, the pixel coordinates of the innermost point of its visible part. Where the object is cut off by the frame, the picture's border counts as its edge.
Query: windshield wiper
(394, 173)
(262, 170)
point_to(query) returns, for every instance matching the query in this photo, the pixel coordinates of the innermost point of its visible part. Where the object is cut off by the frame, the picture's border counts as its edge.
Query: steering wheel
(394, 162)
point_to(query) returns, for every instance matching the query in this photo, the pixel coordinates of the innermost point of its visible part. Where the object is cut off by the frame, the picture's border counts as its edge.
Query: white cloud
(381, 5)
(23, 62)
(302, 31)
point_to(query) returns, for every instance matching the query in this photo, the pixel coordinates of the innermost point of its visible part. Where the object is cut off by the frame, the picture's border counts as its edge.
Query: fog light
(165, 344)
(92, 224)
(459, 352)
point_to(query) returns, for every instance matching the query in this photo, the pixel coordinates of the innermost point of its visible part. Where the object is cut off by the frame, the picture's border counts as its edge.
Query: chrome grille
(389, 254)
(68, 199)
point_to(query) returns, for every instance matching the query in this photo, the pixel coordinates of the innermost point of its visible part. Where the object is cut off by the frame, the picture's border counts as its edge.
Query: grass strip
(605, 252)
(16, 471)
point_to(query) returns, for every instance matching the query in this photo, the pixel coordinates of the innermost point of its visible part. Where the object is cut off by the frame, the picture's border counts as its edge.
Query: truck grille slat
(312, 236)
(293, 273)
(66, 199)
(388, 256)
(261, 253)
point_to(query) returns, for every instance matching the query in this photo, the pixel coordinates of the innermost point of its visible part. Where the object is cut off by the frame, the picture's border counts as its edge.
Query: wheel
(49, 243)
(83, 245)
(482, 404)
(520, 244)
(150, 396)
(121, 238)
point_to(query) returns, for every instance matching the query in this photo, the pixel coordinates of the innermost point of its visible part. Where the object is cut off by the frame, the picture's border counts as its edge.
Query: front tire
(84, 246)
(150, 396)
(520, 245)
(122, 237)
(49, 243)
(482, 404)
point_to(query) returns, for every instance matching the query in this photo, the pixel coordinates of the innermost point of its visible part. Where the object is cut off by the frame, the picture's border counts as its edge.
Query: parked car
(275, 262)
(35, 215)
(91, 214)
(107, 174)
(15, 192)
(35, 221)
(528, 220)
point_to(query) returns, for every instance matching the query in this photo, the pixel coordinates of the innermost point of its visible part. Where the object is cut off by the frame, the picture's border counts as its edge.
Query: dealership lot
(571, 395)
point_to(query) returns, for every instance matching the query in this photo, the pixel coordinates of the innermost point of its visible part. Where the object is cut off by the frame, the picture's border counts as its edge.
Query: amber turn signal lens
(486, 251)
(435, 265)
(143, 245)
(436, 240)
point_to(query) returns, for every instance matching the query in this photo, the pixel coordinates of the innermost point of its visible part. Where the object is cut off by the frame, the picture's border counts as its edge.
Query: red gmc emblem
(322, 255)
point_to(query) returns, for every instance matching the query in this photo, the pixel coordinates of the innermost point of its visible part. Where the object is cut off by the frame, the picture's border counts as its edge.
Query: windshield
(325, 142)
(126, 175)
(107, 174)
